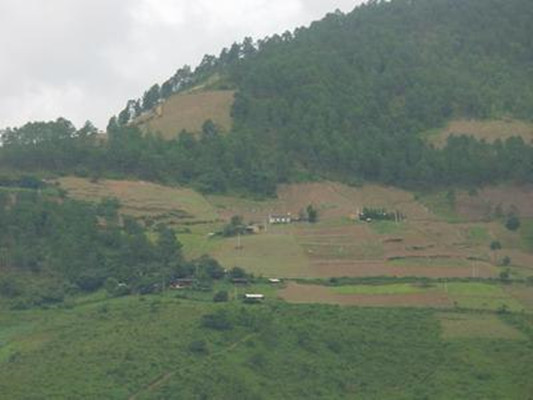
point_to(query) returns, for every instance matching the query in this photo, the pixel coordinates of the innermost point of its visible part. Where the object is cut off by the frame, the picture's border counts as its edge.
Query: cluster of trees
(380, 214)
(236, 226)
(52, 246)
(210, 162)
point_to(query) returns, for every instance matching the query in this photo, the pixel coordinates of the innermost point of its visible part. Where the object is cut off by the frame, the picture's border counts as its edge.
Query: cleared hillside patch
(144, 199)
(334, 200)
(493, 202)
(188, 112)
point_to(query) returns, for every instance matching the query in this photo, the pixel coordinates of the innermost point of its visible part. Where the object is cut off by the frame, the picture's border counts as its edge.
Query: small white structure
(253, 298)
(274, 280)
(279, 219)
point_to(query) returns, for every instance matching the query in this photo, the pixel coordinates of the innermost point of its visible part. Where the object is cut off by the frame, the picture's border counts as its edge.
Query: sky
(83, 59)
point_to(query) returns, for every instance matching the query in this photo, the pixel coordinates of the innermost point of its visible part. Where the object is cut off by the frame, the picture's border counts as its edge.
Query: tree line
(213, 163)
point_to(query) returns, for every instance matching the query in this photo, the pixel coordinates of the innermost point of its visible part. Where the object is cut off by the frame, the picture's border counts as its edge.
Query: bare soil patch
(337, 200)
(485, 203)
(342, 268)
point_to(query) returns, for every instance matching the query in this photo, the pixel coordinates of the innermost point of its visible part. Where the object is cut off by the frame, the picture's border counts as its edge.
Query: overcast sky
(83, 59)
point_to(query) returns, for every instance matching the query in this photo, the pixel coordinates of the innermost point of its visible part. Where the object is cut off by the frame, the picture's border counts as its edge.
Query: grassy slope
(189, 111)
(144, 199)
(127, 348)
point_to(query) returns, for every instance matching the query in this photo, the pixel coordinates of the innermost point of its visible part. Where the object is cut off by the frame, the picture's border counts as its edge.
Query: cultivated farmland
(424, 244)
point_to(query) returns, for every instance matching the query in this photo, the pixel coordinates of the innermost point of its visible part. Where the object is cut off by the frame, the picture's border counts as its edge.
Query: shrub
(237, 272)
(221, 296)
(219, 320)
(198, 347)
(505, 261)
(505, 275)
(312, 214)
(512, 223)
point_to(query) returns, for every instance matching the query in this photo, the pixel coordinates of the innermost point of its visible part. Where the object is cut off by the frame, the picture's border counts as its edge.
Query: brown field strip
(336, 200)
(298, 293)
(340, 268)
(484, 202)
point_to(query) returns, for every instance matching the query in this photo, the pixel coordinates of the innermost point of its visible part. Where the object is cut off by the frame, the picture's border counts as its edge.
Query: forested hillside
(347, 98)
(353, 92)
(52, 246)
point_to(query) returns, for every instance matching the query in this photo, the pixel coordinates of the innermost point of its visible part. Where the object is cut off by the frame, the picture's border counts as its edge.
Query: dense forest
(347, 98)
(52, 246)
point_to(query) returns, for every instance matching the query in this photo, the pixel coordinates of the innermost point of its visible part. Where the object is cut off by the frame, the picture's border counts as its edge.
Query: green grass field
(387, 227)
(442, 205)
(271, 254)
(157, 347)
(526, 235)
(482, 296)
(478, 234)
(430, 262)
(395, 288)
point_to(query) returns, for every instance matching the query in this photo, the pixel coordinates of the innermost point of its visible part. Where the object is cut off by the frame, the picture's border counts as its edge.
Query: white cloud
(83, 59)
(158, 12)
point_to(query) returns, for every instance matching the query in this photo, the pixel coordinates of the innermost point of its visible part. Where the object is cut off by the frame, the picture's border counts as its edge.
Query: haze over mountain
(81, 59)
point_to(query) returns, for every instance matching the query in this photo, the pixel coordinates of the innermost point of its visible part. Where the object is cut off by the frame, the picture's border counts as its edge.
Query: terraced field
(463, 295)
(144, 200)
(425, 244)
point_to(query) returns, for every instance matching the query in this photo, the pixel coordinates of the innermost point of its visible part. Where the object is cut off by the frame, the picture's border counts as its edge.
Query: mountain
(147, 283)
(349, 98)
(351, 94)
